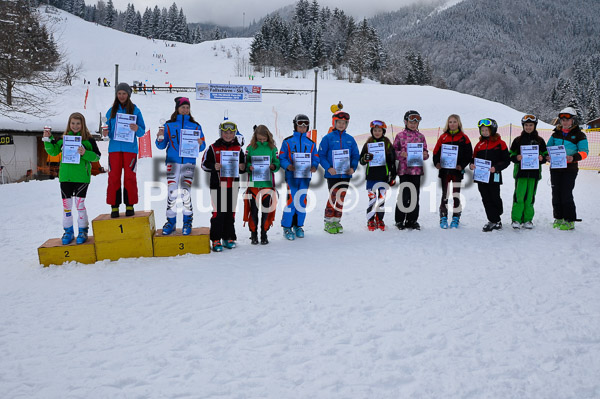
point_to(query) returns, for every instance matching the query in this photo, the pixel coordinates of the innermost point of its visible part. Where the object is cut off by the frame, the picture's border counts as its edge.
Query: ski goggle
(565, 116)
(414, 118)
(341, 115)
(529, 118)
(380, 124)
(485, 122)
(303, 123)
(228, 126)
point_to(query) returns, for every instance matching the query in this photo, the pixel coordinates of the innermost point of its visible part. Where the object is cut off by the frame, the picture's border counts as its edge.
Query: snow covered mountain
(424, 314)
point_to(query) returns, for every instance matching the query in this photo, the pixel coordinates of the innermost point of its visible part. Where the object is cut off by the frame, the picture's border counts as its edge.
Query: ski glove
(368, 157)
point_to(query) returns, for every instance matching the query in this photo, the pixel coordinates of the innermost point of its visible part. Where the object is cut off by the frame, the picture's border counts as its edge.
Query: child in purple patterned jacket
(410, 170)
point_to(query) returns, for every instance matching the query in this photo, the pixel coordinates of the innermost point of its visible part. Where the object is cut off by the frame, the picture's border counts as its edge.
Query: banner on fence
(227, 92)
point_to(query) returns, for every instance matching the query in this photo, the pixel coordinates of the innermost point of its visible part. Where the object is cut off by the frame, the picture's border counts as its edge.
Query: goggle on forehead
(342, 115)
(380, 124)
(529, 118)
(228, 126)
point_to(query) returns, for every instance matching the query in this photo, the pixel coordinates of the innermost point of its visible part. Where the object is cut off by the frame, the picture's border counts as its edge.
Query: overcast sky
(231, 12)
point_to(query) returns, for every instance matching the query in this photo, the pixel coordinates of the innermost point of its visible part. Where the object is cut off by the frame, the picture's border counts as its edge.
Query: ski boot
(229, 244)
(114, 212)
(83, 235)
(516, 225)
(380, 225)
(216, 246)
(528, 225)
(413, 225)
(169, 226)
(68, 236)
(253, 238)
(444, 222)
(331, 228)
(567, 225)
(289, 234)
(400, 225)
(263, 238)
(489, 226)
(557, 223)
(371, 225)
(339, 227)
(455, 222)
(187, 225)
(129, 210)
(299, 231)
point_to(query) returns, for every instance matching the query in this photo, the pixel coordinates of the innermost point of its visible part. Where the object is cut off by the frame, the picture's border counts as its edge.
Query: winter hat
(179, 101)
(125, 87)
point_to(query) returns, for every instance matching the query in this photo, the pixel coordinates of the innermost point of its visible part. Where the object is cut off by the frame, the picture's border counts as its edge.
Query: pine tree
(146, 27)
(110, 14)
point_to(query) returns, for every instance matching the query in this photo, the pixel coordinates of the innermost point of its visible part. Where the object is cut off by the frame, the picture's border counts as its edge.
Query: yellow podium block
(198, 242)
(52, 252)
(124, 237)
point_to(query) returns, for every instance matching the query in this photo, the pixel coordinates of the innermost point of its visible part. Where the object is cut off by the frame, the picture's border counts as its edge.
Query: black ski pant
(409, 191)
(492, 202)
(563, 204)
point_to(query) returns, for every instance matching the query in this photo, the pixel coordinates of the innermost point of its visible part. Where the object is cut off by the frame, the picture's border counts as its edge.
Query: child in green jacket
(79, 150)
(261, 183)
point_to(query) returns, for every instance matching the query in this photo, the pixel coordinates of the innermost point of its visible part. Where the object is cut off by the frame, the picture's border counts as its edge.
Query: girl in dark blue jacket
(180, 163)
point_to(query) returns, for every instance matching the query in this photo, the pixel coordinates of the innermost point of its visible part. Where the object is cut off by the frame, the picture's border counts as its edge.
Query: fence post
(315, 109)
(116, 77)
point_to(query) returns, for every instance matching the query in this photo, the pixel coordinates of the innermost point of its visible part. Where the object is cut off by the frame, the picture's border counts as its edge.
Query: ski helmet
(412, 116)
(529, 118)
(378, 123)
(488, 122)
(339, 116)
(301, 118)
(568, 113)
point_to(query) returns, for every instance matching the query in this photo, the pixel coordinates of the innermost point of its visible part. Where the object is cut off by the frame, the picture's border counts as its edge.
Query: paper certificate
(378, 151)
(261, 166)
(188, 143)
(530, 157)
(341, 161)
(449, 156)
(302, 165)
(122, 130)
(230, 164)
(69, 150)
(558, 156)
(482, 170)
(414, 155)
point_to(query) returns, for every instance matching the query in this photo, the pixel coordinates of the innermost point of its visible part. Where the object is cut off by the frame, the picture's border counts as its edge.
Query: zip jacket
(172, 139)
(262, 149)
(337, 140)
(576, 145)
(493, 149)
(74, 173)
(515, 150)
(297, 142)
(121, 146)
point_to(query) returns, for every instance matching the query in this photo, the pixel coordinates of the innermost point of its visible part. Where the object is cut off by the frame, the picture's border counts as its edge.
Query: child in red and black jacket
(453, 135)
(491, 148)
(224, 189)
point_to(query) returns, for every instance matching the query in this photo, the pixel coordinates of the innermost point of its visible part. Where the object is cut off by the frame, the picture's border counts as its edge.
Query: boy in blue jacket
(338, 150)
(297, 146)
(180, 166)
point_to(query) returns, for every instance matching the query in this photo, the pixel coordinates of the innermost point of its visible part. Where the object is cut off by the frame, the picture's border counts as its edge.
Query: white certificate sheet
(414, 155)
(261, 166)
(230, 164)
(122, 130)
(302, 165)
(341, 161)
(558, 156)
(482, 170)
(188, 143)
(69, 150)
(449, 156)
(378, 151)
(530, 157)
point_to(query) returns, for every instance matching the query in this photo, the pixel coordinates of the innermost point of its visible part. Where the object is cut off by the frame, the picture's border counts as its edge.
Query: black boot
(253, 238)
(129, 210)
(114, 212)
(263, 238)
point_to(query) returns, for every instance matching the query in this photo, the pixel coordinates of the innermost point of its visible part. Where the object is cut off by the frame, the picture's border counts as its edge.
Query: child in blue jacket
(294, 212)
(122, 154)
(337, 150)
(180, 166)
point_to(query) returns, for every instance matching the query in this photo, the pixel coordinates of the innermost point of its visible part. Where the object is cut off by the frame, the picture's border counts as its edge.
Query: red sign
(145, 146)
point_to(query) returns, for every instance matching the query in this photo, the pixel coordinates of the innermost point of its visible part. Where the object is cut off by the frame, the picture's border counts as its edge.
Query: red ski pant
(117, 162)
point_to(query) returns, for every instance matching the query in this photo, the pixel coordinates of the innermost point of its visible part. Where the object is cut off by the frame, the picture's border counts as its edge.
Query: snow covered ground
(394, 314)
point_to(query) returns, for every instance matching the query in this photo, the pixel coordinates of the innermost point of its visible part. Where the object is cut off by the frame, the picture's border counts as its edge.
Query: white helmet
(568, 110)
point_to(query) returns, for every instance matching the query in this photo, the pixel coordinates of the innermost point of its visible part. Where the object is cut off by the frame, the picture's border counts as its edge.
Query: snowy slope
(394, 314)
